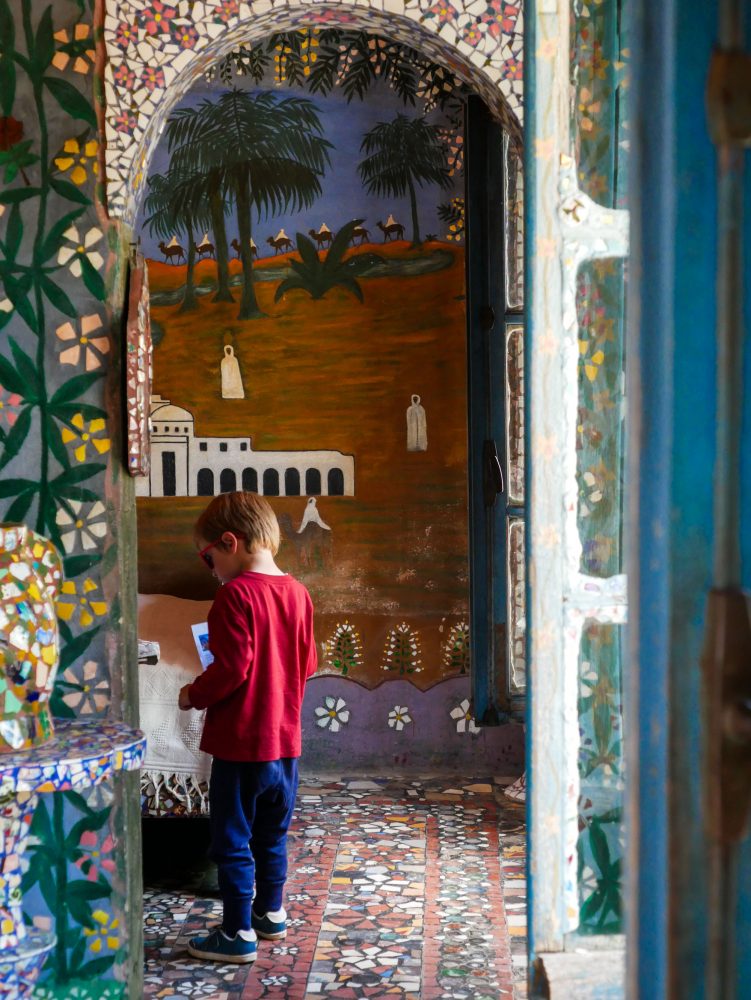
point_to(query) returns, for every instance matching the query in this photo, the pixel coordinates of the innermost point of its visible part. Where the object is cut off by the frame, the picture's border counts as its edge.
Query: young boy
(261, 637)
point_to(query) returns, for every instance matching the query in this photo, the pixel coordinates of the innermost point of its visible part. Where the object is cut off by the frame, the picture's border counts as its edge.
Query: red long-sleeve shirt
(261, 637)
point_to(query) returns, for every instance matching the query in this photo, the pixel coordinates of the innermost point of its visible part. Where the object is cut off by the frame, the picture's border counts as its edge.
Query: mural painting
(303, 228)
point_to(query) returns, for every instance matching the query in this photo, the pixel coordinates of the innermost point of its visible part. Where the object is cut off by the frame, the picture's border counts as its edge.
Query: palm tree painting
(176, 203)
(261, 152)
(400, 154)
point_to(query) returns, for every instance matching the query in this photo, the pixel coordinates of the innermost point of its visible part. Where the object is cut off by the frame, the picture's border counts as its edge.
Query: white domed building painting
(183, 465)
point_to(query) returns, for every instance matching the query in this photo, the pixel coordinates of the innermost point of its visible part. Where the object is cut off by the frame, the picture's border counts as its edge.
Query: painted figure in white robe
(417, 426)
(311, 516)
(232, 383)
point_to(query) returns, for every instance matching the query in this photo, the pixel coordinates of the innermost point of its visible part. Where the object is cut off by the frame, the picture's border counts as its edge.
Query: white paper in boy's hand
(201, 639)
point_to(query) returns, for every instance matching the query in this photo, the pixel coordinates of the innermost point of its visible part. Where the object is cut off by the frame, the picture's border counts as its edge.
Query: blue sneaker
(271, 925)
(218, 947)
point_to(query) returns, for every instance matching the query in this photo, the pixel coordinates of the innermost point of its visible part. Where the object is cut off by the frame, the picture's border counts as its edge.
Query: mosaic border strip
(157, 51)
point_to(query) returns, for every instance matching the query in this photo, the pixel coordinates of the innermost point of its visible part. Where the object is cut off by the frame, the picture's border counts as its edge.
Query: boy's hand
(184, 698)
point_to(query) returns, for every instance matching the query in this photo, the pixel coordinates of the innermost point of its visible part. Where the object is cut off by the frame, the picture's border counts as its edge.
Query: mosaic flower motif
(589, 110)
(86, 434)
(473, 34)
(156, 18)
(77, 248)
(87, 693)
(124, 76)
(82, 343)
(126, 121)
(76, 158)
(11, 132)
(591, 493)
(332, 714)
(444, 11)
(79, 48)
(105, 934)
(151, 78)
(399, 717)
(126, 35)
(185, 35)
(276, 980)
(97, 857)
(512, 69)
(285, 949)
(226, 10)
(501, 17)
(10, 407)
(465, 723)
(81, 529)
(71, 601)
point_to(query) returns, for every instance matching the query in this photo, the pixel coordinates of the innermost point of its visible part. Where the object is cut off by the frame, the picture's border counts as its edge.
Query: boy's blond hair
(241, 513)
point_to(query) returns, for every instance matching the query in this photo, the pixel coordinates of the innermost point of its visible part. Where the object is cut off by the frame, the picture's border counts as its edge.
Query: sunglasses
(205, 554)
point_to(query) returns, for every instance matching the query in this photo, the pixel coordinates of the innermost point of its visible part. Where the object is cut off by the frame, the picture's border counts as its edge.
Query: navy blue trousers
(251, 806)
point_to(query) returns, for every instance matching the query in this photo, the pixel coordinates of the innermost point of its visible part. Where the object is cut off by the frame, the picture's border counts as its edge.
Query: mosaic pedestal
(80, 754)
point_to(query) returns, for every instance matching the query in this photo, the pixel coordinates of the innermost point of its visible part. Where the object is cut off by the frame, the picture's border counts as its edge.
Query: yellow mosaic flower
(78, 157)
(86, 434)
(105, 934)
(71, 601)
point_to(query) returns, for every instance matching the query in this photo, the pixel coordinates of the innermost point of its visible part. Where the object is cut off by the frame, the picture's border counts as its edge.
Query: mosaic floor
(398, 888)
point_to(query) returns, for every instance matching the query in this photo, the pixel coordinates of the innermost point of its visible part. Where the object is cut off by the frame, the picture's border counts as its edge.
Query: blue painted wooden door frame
(672, 413)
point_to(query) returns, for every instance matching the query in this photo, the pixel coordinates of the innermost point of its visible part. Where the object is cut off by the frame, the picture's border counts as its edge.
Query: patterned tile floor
(398, 888)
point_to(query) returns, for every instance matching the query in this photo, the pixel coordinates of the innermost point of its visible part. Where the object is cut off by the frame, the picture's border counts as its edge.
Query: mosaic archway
(156, 52)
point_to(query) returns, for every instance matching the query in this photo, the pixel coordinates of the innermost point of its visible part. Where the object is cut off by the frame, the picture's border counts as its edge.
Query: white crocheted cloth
(174, 764)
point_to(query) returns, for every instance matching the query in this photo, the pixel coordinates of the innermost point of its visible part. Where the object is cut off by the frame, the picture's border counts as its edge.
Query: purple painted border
(429, 742)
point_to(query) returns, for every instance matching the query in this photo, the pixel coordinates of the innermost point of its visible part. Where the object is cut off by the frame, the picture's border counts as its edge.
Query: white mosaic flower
(79, 529)
(465, 722)
(399, 717)
(78, 248)
(332, 714)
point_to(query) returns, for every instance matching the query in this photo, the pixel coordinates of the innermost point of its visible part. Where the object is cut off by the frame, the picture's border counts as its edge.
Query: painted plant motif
(54, 436)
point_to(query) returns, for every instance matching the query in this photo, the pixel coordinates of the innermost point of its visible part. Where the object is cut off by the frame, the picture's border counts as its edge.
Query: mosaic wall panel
(601, 836)
(600, 145)
(158, 52)
(56, 439)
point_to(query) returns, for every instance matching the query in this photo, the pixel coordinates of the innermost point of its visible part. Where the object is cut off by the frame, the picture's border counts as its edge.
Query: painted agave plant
(317, 275)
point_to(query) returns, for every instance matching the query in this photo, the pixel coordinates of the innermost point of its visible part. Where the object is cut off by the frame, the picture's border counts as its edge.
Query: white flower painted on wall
(79, 527)
(333, 714)
(399, 717)
(465, 723)
(79, 249)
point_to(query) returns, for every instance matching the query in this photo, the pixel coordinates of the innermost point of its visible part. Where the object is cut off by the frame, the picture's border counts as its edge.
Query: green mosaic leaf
(44, 43)
(75, 648)
(58, 297)
(67, 190)
(92, 279)
(13, 233)
(27, 369)
(71, 100)
(17, 293)
(7, 84)
(83, 889)
(12, 487)
(16, 437)
(95, 968)
(75, 565)
(54, 237)
(18, 194)
(75, 387)
(10, 379)
(7, 28)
